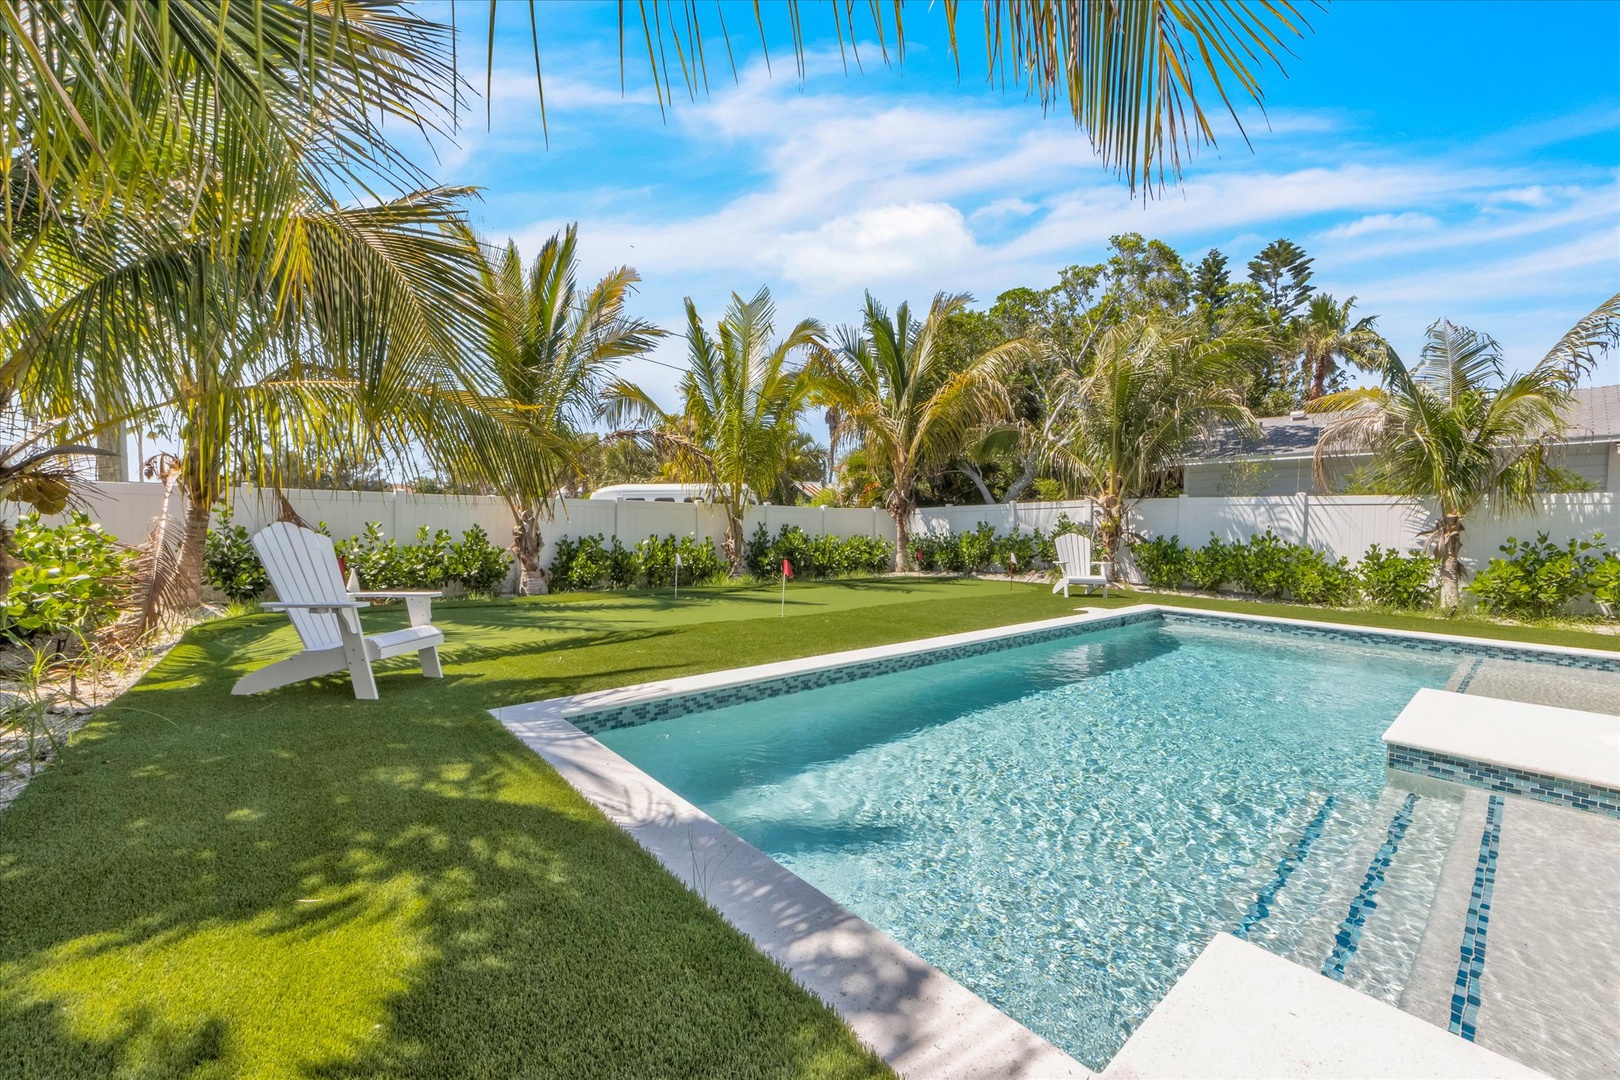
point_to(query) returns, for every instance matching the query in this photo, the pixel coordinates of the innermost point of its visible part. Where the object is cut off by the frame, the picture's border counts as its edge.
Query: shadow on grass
(314, 886)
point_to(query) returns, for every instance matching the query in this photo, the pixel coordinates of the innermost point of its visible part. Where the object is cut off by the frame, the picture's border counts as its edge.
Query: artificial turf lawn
(299, 884)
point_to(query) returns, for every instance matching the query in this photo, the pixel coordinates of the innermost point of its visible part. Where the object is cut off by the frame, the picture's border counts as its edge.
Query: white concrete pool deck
(925, 1024)
(1566, 743)
(1242, 1011)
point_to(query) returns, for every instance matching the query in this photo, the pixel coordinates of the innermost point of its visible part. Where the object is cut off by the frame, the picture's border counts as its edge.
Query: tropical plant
(552, 348)
(203, 271)
(1388, 578)
(741, 397)
(71, 579)
(1537, 578)
(232, 566)
(914, 410)
(1157, 385)
(1456, 428)
(1327, 339)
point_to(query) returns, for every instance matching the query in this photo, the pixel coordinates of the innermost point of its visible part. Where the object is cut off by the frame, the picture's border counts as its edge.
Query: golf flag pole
(677, 575)
(787, 572)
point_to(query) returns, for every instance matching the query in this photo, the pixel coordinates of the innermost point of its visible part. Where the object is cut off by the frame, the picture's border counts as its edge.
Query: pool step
(1352, 895)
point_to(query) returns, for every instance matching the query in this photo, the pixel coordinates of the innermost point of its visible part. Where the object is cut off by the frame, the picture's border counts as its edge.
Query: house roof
(1594, 416)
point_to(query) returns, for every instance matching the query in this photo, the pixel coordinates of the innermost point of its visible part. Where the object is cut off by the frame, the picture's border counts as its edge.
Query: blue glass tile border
(1285, 869)
(1471, 959)
(1559, 791)
(1437, 644)
(1348, 938)
(666, 708)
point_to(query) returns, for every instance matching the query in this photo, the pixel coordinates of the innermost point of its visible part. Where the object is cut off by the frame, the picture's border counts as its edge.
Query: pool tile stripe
(1471, 966)
(1462, 686)
(1558, 790)
(1366, 901)
(1285, 869)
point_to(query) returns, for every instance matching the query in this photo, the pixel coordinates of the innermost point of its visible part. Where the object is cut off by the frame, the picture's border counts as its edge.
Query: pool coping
(921, 1021)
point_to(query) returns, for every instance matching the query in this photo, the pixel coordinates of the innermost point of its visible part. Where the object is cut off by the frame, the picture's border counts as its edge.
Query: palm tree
(890, 381)
(1456, 428)
(1327, 338)
(553, 347)
(1155, 387)
(741, 398)
(100, 84)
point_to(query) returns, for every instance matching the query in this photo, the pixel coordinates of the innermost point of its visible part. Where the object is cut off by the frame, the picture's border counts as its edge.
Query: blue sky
(1456, 159)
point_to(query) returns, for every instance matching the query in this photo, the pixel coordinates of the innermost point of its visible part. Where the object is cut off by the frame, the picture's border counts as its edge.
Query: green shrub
(477, 562)
(1164, 562)
(71, 579)
(1604, 580)
(1387, 577)
(815, 556)
(983, 550)
(1213, 565)
(229, 561)
(1316, 579)
(700, 560)
(1536, 578)
(1264, 566)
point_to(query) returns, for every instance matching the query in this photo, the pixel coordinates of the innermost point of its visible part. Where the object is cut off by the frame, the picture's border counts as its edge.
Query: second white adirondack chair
(303, 567)
(1075, 565)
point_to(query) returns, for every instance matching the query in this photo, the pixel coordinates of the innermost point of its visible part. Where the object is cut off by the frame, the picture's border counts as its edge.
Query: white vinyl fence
(1338, 524)
(129, 511)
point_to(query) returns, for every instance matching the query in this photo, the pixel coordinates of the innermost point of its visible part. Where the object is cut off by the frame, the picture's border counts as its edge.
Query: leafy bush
(815, 556)
(229, 561)
(1164, 562)
(1316, 579)
(71, 578)
(477, 562)
(1604, 580)
(1387, 577)
(1213, 565)
(432, 562)
(700, 562)
(1535, 578)
(983, 549)
(1264, 566)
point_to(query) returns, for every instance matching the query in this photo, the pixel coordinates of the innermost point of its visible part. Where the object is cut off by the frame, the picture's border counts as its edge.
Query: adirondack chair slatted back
(1074, 552)
(303, 567)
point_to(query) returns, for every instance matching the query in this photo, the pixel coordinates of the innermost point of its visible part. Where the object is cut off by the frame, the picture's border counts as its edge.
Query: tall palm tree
(1327, 338)
(553, 348)
(1156, 385)
(741, 398)
(1456, 428)
(914, 410)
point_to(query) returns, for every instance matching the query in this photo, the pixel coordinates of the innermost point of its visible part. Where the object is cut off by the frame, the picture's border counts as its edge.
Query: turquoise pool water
(1060, 826)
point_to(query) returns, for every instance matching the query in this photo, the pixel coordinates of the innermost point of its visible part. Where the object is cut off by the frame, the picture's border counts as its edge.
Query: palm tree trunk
(189, 566)
(734, 539)
(1110, 526)
(8, 561)
(1448, 547)
(901, 510)
(527, 541)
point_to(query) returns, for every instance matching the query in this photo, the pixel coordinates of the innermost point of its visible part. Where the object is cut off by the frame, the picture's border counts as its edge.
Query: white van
(681, 493)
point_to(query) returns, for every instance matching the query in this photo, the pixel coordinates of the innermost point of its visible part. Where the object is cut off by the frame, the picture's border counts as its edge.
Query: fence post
(1305, 518)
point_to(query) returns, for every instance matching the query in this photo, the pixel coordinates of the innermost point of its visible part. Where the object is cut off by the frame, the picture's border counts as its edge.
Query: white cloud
(1409, 221)
(877, 246)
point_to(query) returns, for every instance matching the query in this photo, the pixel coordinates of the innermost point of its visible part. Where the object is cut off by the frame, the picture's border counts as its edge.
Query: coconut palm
(1155, 387)
(1327, 338)
(913, 409)
(1456, 428)
(553, 347)
(741, 398)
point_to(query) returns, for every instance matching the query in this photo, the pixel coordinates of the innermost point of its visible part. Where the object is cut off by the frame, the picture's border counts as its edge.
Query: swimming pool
(1062, 825)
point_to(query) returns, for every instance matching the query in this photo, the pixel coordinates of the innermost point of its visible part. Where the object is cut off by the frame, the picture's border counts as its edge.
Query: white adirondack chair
(303, 567)
(1076, 567)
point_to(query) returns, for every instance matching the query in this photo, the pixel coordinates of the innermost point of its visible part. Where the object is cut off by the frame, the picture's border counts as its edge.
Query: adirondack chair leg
(430, 662)
(354, 651)
(294, 669)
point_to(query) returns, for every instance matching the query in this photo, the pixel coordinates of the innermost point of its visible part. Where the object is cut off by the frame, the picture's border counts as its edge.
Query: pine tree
(1283, 272)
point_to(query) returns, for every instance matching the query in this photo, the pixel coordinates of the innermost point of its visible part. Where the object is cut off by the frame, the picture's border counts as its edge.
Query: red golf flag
(787, 569)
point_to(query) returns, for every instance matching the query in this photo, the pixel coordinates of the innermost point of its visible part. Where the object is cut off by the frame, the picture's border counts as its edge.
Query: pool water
(1062, 826)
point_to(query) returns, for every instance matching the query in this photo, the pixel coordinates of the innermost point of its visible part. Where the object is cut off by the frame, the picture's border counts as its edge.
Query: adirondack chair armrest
(418, 602)
(1107, 569)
